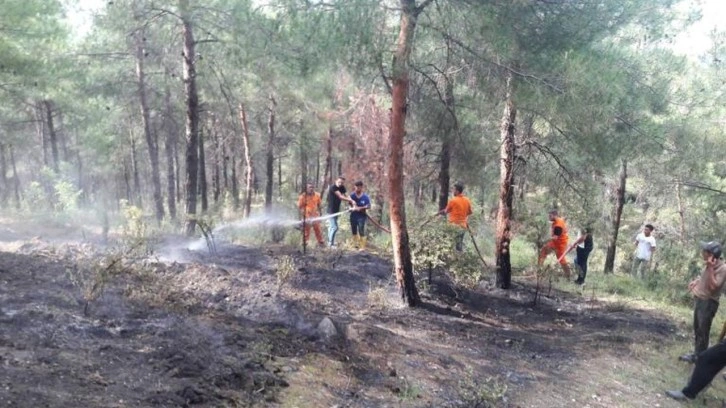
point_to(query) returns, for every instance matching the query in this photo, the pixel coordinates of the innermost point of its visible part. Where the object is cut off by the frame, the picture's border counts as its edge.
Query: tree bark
(16, 180)
(269, 153)
(151, 139)
(40, 129)
(169, 148)
(203, 172)
(5, 192)
(449, 127)
(506, 193)
(327, 171)
(399, 232)
(681, 212)
(618, 212)
(135, 169)
(216, 176)
(53, 136)
(248, 161)
(192, 121)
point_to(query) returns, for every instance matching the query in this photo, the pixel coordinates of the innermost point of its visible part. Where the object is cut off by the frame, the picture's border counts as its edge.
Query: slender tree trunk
(135, 169)
(327, 176)
(192, 121)
(4, 175)
(169, 148)
(399, 232)
(681, 212)
(203, 173)
(62, 137)
(506, 193)
(303, 166)
(449, 127)
(225, 166)
(279, 176)
(127, 182)
(618, 212)
(52, 134)
(317, 170)
(40, 129)
(269, 154)
(151, 138)
(16, 180)
(234, 183)
(216, 176)
(248, 161)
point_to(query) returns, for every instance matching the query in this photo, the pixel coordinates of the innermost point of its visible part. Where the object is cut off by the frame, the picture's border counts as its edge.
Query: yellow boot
(362, 245)
(356, 241)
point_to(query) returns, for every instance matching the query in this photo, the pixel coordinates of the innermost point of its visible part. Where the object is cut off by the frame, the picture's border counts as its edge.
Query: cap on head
(712, 247)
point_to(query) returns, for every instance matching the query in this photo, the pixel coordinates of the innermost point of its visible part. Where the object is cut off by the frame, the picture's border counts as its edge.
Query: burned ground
(239, 328)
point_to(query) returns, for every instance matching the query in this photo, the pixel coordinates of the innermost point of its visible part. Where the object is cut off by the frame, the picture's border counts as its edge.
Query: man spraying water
(309, 204)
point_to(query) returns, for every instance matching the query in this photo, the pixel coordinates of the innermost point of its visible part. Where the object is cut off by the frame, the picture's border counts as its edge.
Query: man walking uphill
(557, 243)
(706, 290)
(309, 204)
(336, 194)
(459, 210)
(358, 217)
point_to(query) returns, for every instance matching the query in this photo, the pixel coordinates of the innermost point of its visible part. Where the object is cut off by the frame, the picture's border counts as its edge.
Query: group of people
(644, 247)
(706, 289)
(310, 203)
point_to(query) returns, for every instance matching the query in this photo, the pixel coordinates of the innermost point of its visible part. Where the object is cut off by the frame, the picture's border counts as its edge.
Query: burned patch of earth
(240, 328)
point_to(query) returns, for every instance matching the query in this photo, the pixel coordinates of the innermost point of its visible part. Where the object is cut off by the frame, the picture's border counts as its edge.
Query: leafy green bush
(433, 247)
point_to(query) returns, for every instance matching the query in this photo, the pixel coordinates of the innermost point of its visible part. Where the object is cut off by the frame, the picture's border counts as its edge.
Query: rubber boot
(356, 241)
(362, 245)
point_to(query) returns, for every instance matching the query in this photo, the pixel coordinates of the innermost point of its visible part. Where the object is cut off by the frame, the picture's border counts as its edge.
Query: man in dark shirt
(336, 194)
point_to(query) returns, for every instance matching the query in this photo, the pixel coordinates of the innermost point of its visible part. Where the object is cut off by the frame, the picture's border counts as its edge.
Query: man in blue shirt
(358, 215)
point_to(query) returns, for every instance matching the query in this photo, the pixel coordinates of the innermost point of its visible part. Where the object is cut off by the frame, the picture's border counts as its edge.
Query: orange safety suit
(558, 243)
(309, 205)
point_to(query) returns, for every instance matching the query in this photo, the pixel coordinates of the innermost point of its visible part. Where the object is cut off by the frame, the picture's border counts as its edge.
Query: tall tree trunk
(681, 212)
(269, 154)
(192, 121)
(234, 183)
(151, 138)
(52, 135)
(399, 232)
(216, 176)
(248, 161)
(617, 213)
(127, 182)
(303, 166)
(40, 129)
(203, 172)
(5, 192)
(225, 166)
(506, 193)
(16, 180)
(135, 168)
(327, 172)
(169, 148)
(449, 127)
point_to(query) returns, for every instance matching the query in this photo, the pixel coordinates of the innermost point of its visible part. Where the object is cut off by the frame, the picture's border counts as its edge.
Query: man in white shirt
(645, 246)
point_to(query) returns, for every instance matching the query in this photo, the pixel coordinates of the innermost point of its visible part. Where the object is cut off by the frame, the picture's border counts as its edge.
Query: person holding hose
(309, 205)
(358, 215)
(336, 195)
(584, 245)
